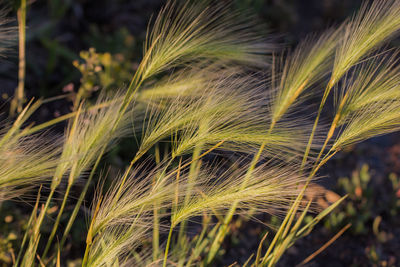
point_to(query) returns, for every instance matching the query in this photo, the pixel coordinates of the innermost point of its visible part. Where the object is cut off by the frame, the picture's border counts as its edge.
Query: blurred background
(95, 44)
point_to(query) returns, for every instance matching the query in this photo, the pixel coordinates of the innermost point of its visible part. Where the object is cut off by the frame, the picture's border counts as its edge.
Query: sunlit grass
(236, 138)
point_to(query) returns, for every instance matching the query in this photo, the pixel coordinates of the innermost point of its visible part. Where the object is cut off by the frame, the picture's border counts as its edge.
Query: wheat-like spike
(87, 134)
(138, 196)
(113, 246)
(191, 81)
(228, 107)
(367, 30)
(374, 81)
(25, 163)
(184, 112)
(270, 190)
(192, 31)
(306, 65)
(120, 225)
(372, 120)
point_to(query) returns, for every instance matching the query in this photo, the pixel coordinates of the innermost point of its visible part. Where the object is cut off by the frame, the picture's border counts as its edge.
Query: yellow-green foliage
(232, 103)
(232, 128)
(101, 71)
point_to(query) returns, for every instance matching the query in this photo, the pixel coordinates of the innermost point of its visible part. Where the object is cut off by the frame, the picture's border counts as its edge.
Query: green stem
(132, 89)
(167, 246)
(46, 206)
(85, 257)
(294, 205)
(192, 174)
(224, 227)
(333, 125)
(81, 198)
(290, 214)
(29, 226)
(310, 140)
(156, 222)
(322, 150)
(192, 169)
(60, 119)
(37, 223)
(53, 232)
(321, 106)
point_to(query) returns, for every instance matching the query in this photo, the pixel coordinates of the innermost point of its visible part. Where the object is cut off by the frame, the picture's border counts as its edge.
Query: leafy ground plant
(223, 130)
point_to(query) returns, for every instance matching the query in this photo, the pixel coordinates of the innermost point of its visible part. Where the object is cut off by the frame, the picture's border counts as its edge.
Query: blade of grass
(327, 244)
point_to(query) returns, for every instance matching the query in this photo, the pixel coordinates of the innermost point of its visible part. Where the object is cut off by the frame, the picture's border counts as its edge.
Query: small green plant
(220, 134)
(105, 70)
(367, 211)
(360, 208)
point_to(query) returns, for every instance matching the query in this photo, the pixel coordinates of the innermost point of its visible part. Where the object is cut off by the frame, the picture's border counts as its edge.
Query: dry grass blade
(327, 244)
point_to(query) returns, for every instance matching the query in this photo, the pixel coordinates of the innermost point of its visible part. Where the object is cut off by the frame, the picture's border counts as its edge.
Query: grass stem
(167, 246)
(19, 96)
